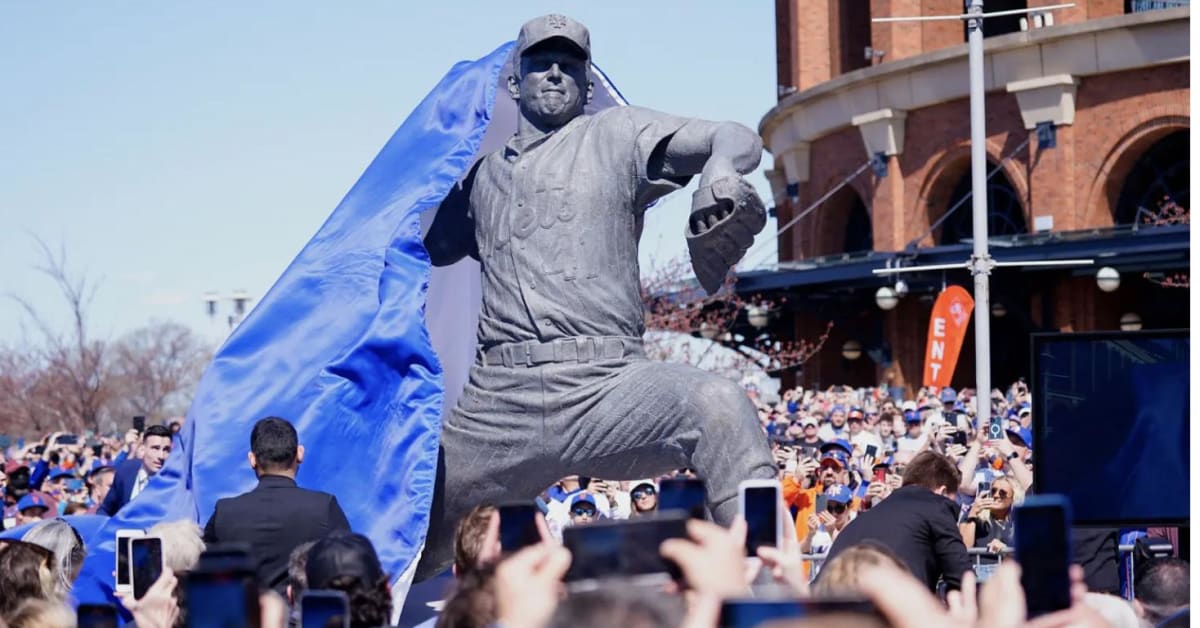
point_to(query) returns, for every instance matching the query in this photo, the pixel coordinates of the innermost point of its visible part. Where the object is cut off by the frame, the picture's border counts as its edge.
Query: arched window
(1005, 216)
(858, 229)
(1158, 177)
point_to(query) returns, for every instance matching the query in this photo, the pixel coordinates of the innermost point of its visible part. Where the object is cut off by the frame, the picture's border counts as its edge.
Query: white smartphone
(758, 501)
(124, 579)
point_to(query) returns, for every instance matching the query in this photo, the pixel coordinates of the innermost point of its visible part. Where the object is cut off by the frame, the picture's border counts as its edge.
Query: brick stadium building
(1107, 82)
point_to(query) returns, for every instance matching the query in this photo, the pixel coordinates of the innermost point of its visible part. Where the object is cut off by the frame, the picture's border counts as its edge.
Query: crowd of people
(884, 496)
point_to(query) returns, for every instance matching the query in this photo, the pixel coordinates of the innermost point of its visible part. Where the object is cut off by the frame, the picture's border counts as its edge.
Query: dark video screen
(1110, 423)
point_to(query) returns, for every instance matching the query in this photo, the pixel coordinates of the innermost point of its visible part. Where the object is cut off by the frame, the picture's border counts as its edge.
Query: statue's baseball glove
(726, 216)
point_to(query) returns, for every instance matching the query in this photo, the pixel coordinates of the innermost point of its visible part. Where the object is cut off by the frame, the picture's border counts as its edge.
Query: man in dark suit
(131, 476)
(277, 515)
(919, 522)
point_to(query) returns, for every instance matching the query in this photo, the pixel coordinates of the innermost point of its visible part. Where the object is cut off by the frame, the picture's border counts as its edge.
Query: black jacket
(274, 519)
(918, 526)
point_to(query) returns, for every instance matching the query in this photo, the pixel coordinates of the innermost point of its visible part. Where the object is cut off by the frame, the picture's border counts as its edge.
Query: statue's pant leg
(645, 418)
(492, 452)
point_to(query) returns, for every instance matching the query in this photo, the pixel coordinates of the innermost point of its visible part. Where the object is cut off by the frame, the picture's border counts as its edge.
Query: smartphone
(145, 563)
(68, 439)
(627, 549)
(822, 504)
(871, 451)
(139, 424)
(751, 612)
(880, 475)
(985, 488)
(124, 581)
(686, 494)
(759, 503)
(222, 590)
(96, 616)
(518, 526)
(324, 609)
(1043, 547)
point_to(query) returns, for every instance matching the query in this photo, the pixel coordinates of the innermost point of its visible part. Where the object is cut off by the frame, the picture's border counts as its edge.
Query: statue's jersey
(555, 219)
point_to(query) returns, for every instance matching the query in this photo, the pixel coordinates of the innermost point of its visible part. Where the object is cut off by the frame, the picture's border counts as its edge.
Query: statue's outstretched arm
(726, 211)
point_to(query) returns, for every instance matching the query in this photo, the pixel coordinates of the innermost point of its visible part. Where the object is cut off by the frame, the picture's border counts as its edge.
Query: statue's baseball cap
(547, 27)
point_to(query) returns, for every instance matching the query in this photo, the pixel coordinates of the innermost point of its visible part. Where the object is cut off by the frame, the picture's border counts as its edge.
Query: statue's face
(553, 85)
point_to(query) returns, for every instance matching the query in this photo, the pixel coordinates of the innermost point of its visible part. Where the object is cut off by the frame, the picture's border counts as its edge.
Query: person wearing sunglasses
(825, 526)
(583, 509)
(989, 524)
(643, 496)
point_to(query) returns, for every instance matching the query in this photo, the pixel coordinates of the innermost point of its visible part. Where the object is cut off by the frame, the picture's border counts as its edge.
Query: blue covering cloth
(339, 347)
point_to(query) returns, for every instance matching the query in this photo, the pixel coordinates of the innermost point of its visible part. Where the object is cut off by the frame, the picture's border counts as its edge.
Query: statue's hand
(726, 215)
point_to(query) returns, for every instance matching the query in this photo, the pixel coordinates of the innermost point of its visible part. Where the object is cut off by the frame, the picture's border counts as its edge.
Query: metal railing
(977, 556)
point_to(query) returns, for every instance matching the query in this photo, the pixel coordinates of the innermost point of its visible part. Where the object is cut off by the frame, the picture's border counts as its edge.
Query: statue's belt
(580, 349)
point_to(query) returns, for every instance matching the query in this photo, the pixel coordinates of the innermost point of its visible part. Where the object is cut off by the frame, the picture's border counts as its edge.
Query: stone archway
(1105, 193)
(846, 210)
(941, 191)
(1160, 174)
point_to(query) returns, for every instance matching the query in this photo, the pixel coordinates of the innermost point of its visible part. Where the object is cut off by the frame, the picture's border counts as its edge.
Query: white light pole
(981, 262)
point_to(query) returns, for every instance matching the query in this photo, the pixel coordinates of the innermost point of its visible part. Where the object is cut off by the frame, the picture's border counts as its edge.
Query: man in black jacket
(919, 522)
(277, 515)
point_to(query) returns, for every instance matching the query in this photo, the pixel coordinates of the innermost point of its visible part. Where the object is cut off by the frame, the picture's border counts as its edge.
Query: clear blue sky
(176, 148)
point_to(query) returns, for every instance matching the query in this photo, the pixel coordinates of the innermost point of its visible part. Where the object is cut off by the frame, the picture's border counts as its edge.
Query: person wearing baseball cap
(643, 498)
(347, 562)
(583, 508)
(32, 508)
(914, 438)
(824, 527)
(809, 436)
(839, 443)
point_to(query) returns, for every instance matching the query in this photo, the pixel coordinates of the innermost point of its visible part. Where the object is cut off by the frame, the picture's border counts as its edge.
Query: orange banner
(947, 329)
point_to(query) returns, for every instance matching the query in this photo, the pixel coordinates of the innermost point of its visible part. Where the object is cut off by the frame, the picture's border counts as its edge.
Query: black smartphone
(686, 494)
(1043, 547)
(68, 439)
(96, 616)
(139, 424)
(760, 508)
(324, 609)
(222, 590)
(518, 526)
(622, 549)
(751, 612)
(822, 504)
(984, 490)
(146, 563)
(871, 451)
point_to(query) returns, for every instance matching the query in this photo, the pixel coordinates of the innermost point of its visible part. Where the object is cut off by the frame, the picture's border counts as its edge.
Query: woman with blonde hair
(989, 522)
(69, 550)
(839, 577)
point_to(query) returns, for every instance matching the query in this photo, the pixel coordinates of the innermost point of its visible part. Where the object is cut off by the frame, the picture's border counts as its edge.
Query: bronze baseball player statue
(561, 384)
